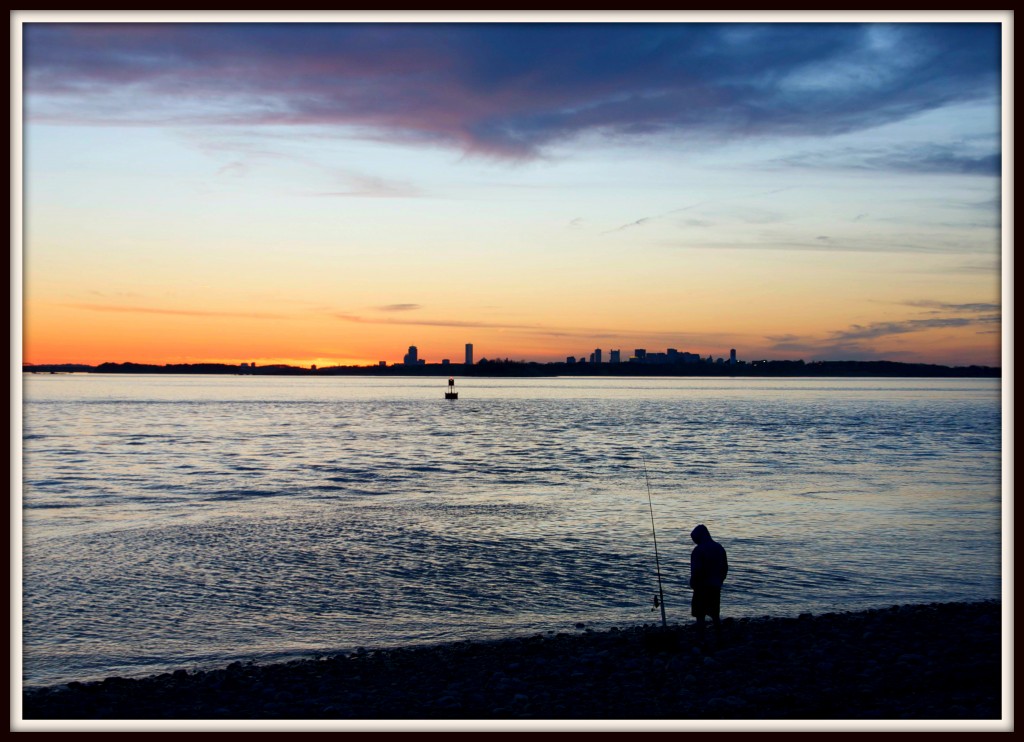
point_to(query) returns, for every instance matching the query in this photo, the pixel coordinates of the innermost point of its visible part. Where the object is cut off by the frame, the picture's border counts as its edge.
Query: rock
(781, 670)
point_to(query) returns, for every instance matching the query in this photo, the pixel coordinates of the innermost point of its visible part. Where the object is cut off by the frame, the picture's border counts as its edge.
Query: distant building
(640, 354)
(732, 356)
(570, 359)
(312, 367)
(469, 354)
(410, 358)
(382, 364)
(445, 362)
(614, 356)
(597, 355)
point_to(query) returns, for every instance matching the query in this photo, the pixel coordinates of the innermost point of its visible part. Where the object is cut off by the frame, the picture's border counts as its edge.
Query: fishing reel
(657, 604)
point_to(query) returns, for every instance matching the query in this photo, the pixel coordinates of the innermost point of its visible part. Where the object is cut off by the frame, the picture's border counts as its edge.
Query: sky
(334, 192)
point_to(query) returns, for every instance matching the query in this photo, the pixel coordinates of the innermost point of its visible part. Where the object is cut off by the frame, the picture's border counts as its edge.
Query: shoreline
(911, 662)
(550, 369)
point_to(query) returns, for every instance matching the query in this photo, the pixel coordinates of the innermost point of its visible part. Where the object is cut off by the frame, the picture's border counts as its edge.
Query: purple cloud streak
(509, 89)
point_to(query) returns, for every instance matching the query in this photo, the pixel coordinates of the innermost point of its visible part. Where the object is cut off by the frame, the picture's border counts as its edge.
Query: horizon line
(440, 364)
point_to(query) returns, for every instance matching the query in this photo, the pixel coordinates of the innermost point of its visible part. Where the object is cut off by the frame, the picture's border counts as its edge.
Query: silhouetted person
(708, 568)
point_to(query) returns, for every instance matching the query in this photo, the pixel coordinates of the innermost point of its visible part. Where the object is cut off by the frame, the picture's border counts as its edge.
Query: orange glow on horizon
(62, 333)
(981, 353)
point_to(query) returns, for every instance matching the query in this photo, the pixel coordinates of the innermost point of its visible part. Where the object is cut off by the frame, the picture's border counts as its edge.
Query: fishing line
(660, 600)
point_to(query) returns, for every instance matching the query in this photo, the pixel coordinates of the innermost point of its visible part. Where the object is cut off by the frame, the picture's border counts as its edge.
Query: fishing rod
(660, 600)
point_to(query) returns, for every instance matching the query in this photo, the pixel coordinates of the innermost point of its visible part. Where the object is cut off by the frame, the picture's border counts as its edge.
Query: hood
(700, 534)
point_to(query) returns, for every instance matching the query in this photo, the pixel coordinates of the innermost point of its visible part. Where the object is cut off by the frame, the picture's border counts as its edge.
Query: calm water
(190, 521)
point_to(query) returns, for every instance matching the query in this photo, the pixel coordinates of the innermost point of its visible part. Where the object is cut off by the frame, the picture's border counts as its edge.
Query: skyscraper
(410, 357)
(469, 354)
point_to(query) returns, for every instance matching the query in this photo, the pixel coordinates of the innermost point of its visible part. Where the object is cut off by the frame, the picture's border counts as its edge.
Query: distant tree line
(506, 367)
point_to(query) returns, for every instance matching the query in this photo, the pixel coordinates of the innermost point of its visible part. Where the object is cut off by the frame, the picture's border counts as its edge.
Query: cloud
(235, 169)
(822, 245)
(852, 352)
(854, 342)
(884, 329)
(780, 340)
(752, 217)
(399, 307)
(961, 315)
(638, 222)
(177, 312)
(430, 322)
(590, 335)
(250, 149)
(985, 268)
(818, 350)
(647, 219)
(946, 158)
(939, 306)
(511, 89)
(363, 186)
(947, 241)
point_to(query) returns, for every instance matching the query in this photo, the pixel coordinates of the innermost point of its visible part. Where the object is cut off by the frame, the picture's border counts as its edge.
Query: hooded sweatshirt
(708, 563)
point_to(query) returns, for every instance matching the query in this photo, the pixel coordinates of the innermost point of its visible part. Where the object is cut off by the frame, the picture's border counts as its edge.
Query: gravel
(917, 662)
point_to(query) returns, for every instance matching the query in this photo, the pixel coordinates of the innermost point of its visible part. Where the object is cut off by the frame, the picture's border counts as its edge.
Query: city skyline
(412, 357)
(823, 191)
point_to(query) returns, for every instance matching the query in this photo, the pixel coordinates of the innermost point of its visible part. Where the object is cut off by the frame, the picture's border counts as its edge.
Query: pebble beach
(911, 662)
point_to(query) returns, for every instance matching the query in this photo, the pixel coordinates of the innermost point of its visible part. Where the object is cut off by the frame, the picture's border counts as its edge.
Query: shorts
(706, 602)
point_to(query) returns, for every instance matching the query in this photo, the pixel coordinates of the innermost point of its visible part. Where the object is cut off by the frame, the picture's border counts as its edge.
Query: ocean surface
(192, 521)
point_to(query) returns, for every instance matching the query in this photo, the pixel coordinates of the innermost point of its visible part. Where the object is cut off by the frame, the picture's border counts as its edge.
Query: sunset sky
(333, 193)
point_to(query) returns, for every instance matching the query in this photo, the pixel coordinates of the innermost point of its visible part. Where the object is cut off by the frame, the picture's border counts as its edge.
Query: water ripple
(176, 522)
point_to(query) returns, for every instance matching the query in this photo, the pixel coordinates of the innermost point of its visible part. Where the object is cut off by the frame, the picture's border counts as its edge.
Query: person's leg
(698, 610)
(714, 608)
